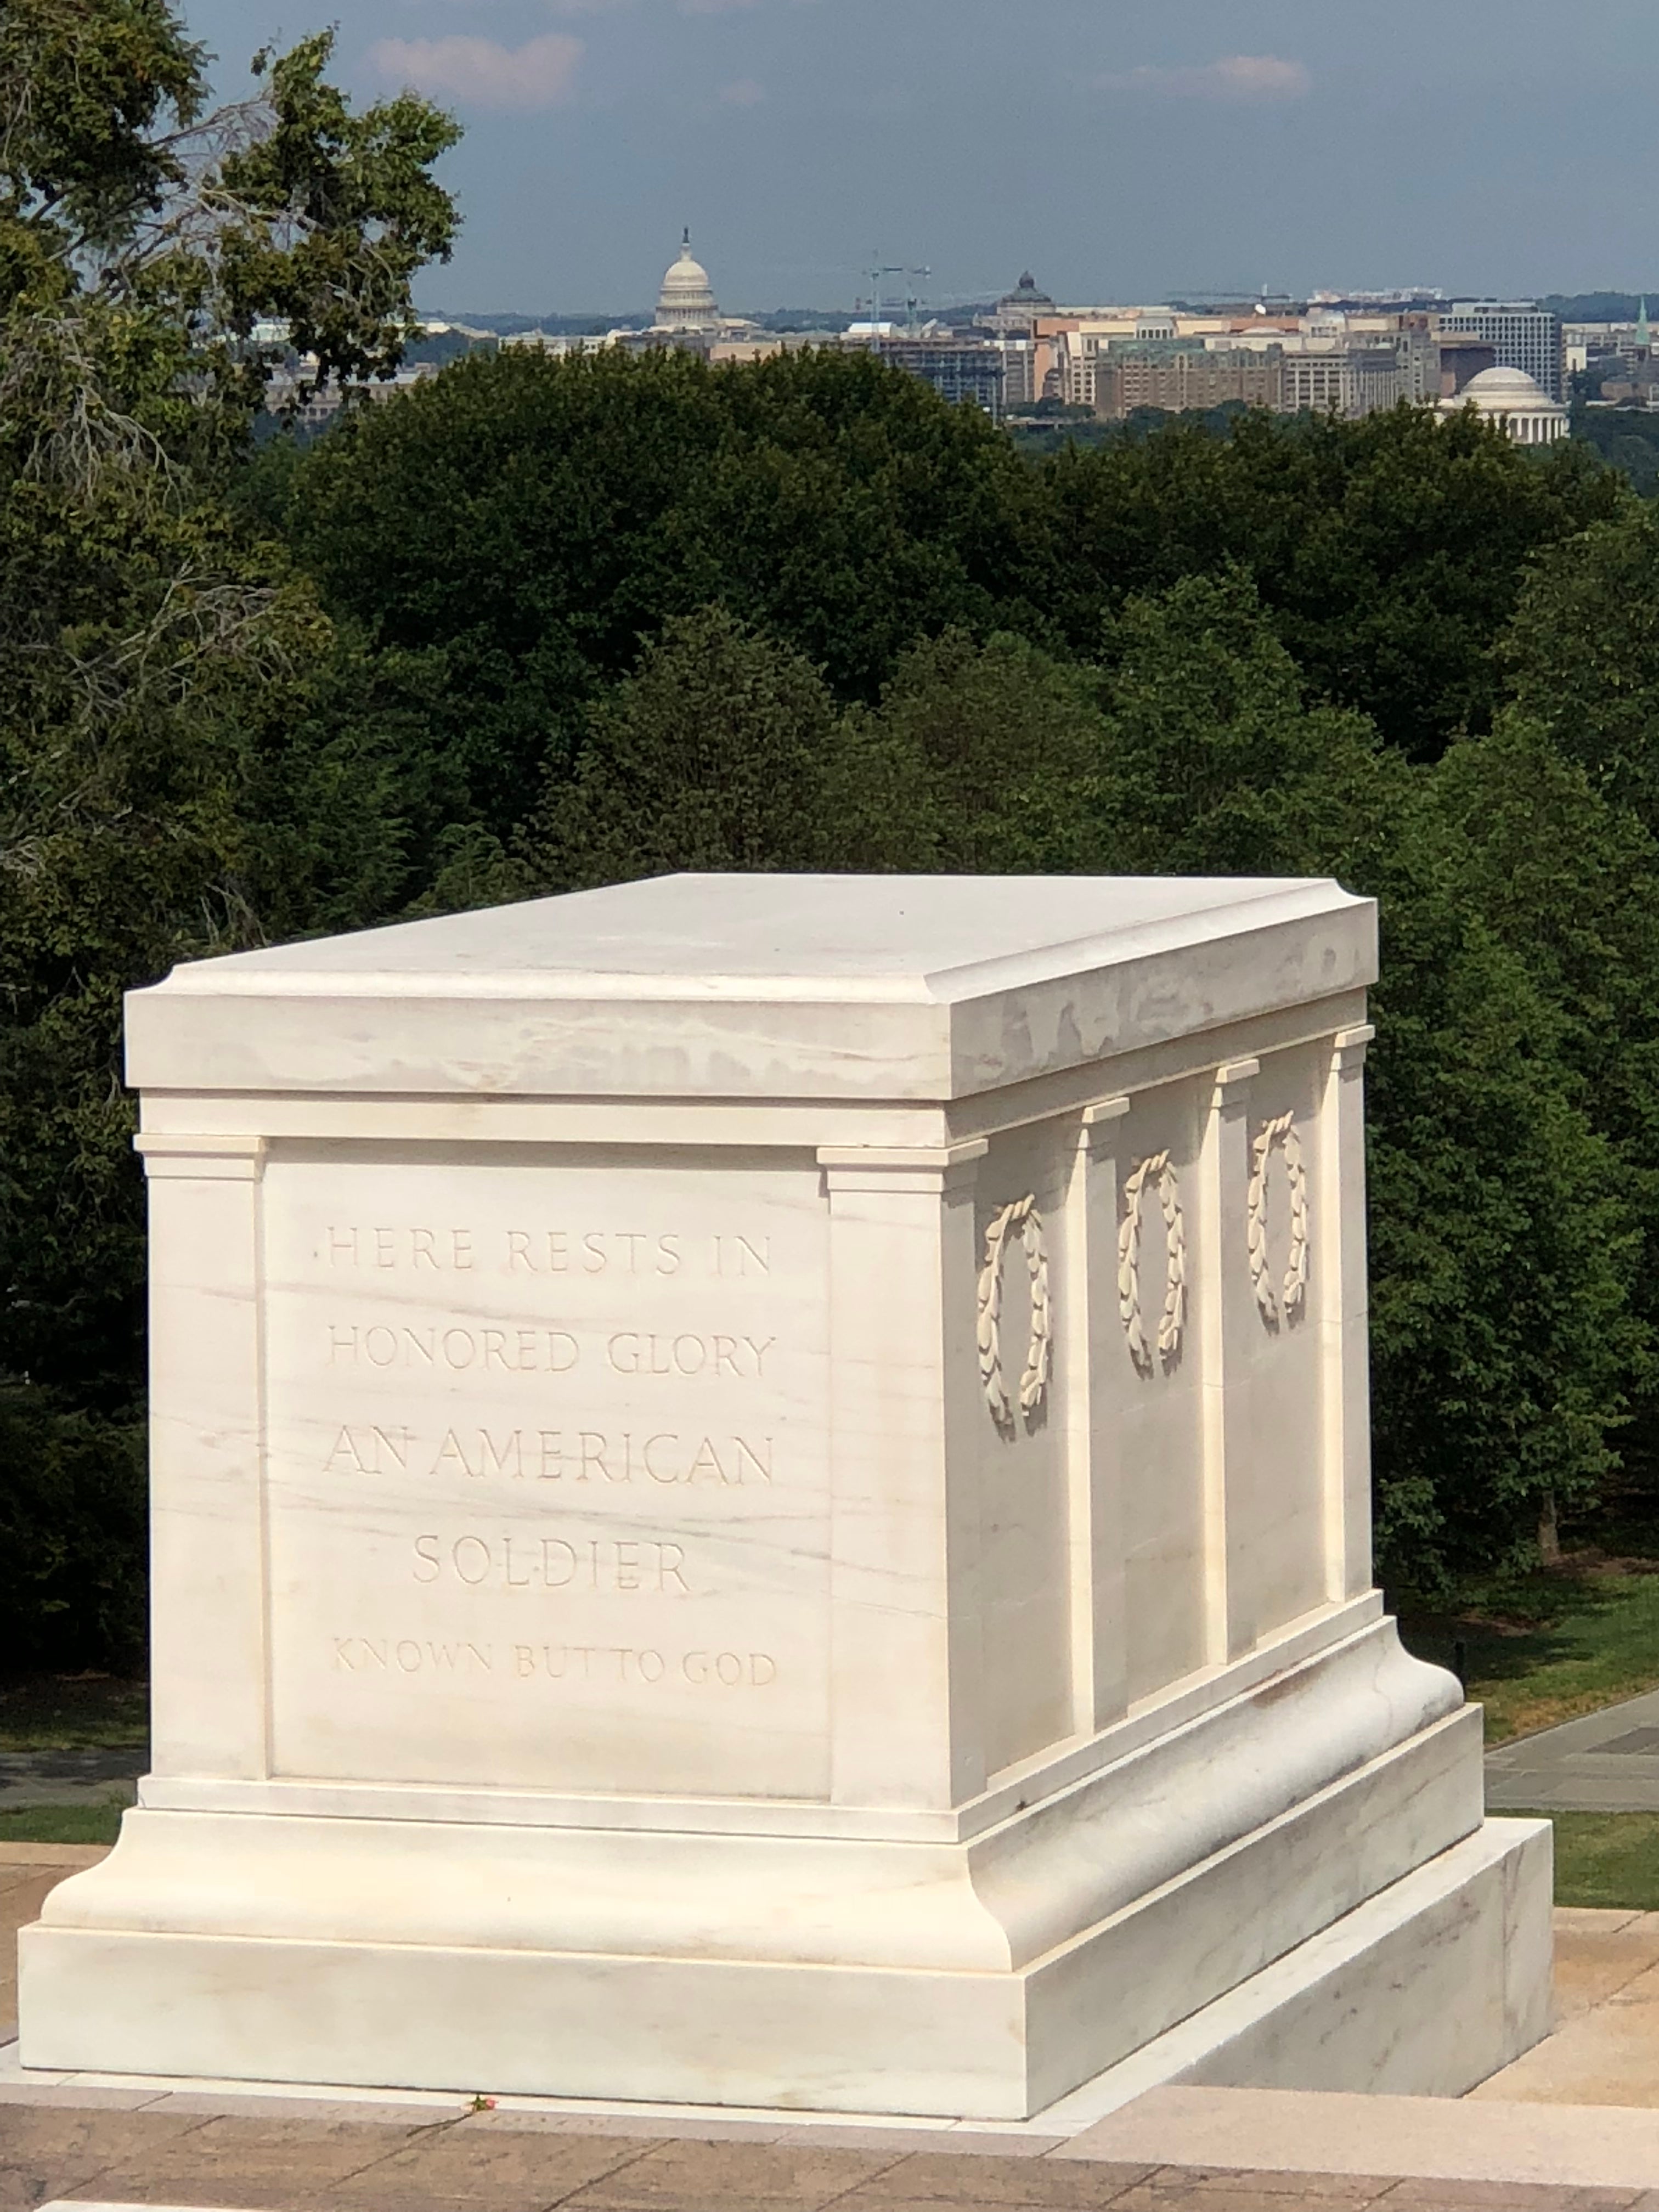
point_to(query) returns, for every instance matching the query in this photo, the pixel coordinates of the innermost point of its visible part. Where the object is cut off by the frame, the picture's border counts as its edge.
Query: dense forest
(539, 625)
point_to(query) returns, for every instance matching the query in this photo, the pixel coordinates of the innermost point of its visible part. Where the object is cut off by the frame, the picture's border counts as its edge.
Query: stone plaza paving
(183, 2150)
(1571, 2127)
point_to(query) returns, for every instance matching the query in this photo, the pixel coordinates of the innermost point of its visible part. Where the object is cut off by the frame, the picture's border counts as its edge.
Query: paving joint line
(1123, 2188)
(877, 2174)
(426, 2131)
(113, 2164)
(621, 2167)
(645, 2147)
(391, 2150)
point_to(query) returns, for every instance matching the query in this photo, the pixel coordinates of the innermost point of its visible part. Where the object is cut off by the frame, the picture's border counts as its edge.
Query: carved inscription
(393, 1247)
(459, 1350)
(554, 1563)
(665, 1456)
(556, 1663)
(549, 1493)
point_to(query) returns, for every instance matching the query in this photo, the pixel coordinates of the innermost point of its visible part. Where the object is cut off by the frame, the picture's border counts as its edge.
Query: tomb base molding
(982, 1978)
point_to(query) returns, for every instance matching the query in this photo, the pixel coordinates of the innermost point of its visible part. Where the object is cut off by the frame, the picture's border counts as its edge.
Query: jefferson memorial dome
(686, 301)
(1516, 400)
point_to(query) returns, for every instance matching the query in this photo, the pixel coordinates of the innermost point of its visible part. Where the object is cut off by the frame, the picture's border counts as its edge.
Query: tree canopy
(186, 763)
(538, 624)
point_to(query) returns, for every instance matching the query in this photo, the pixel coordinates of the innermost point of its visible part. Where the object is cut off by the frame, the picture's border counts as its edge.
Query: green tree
(1389, 552)
(510, 537)
(1626, 438)
(1566, 878)
(1505, 1344)
(964, 729)
(1211, 760)
(710, 757)
(722, 752)
(173, 727)
(1581, 659)
(1505, 1351)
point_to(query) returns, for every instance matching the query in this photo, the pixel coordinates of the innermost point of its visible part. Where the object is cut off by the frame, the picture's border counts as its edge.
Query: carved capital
(201, 1159)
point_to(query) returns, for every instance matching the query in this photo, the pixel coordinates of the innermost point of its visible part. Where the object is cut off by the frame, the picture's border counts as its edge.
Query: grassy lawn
(61, 1824)
(1553, 1646)
(1605, 1858)
(75, 1712)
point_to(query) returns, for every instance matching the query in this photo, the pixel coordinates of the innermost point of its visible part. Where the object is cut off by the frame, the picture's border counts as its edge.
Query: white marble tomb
(760, 1496)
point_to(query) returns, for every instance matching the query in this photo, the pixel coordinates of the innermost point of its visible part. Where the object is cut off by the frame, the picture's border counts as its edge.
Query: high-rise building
(958, 369)
(1461, 359)
(1183, 376)
(1521, 333)
(1315, 383)
(1021, 382)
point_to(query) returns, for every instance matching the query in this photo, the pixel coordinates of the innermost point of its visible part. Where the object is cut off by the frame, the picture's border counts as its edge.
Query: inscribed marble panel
(546, 1482)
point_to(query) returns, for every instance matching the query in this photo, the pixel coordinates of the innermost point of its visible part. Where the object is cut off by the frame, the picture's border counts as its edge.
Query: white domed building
(686, 301)
(1510, 397)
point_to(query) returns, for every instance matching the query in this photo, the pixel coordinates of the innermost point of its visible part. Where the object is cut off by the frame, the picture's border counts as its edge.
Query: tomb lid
(757, 986)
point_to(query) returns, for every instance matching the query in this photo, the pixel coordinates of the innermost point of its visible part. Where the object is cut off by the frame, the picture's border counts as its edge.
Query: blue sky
(1120, 148)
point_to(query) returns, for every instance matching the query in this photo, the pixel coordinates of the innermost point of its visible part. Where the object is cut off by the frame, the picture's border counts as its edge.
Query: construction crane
(882, 269)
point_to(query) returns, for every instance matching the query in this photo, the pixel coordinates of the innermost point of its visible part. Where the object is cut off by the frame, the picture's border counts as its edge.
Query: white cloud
(745, 93)
(1237, 76)
(481, 72)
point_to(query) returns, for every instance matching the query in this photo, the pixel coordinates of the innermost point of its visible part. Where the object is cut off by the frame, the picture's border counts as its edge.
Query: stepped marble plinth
(760, 1497)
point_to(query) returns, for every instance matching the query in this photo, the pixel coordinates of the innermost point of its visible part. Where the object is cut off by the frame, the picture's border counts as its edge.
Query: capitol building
(688, 316)
(686, 301)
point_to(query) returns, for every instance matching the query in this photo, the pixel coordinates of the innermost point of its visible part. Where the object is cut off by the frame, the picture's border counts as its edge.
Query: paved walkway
(497, 2162)
(1608, 1762)
(69, 1777)
(1173, 2150)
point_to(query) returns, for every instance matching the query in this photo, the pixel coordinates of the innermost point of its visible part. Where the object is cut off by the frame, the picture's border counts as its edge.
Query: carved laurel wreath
(1022, 1216)
(1286, 1302)
(1158, 1172)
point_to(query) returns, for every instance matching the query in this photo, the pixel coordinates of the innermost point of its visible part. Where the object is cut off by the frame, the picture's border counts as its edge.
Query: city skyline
(1123, 149)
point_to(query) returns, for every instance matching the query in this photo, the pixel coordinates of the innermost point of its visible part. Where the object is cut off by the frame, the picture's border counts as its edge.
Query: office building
(958, 369)
(1313, 383)
(1183, 376)
(1521, 333)
(1022, 384)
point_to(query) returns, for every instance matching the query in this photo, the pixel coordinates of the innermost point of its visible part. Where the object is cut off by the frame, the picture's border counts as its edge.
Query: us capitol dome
(686, 301)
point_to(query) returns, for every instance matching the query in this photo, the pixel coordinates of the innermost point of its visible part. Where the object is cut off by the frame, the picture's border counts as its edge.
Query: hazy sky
(1120, 148)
